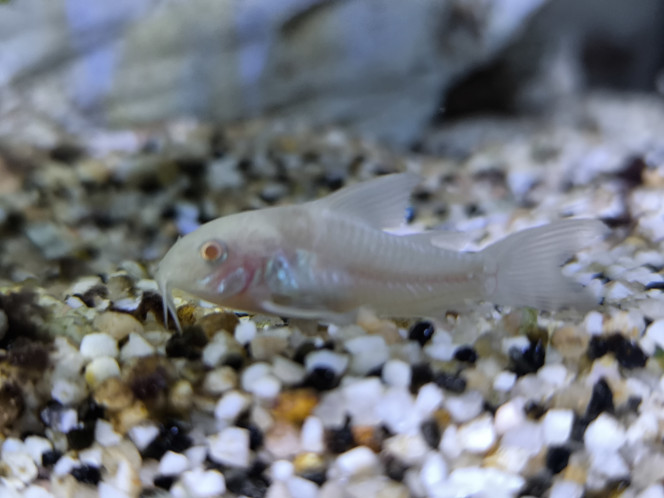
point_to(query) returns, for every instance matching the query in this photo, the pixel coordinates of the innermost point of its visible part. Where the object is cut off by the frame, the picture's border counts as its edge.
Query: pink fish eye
(213, 251)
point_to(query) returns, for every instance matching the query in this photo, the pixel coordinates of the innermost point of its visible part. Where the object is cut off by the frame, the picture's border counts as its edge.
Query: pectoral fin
(310, 313)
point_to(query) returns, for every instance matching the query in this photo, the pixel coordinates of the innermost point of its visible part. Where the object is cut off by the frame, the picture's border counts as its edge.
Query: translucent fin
(526, 266)
(169, 306)
(380, 203)
(442, 239)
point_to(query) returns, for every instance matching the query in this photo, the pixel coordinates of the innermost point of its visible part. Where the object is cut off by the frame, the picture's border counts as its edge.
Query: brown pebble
(114, 394)
(308, 462)
(295, 406)
(267, 347)
(368, 436)
(570, 341)
(181, 397)
(214, 322)
(11, 404)
(149, 379)
(130, 417)
(118, 325)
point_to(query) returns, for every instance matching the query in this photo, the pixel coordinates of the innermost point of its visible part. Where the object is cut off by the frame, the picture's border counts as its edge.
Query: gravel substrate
(98, 397)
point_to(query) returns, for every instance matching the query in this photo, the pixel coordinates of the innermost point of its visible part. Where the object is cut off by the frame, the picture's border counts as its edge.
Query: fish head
(214, 263)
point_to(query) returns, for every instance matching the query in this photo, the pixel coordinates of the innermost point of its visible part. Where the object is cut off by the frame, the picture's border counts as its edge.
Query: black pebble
(255, 434)
(534, 410)
(302, 351)
(600, 401)
(317, 476)
(451, 382)
(655, 286)
(579, 427)
(466, 354)
(252, 482)
(431, 433)
(50, 457)
(164, 482)
(87, 474)
(528, 360)
(536, 486)
(90, 411)
(172, 437)
(628, 353)
(322, 379)
(420, 374)
(421, 332)
(82, 436)
(395, 469)
(340, 439)
(189, 344)
(557, 458)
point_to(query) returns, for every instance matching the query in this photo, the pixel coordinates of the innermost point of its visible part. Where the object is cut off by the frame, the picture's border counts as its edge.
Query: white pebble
(397, 373)
(12, 445)
(245, 331)
(266, 387)
(312, 435)
(98, 344)
(361, 397)
(100, 369)
(68, 391)
(21, 465)
(617, 291)
(142, 435)
(204, 483)
(464, 407)
(504, 381)
(36, 446)
(136, 347)
(368, 353)
(301, 488)
(477, 436)
(654, 491)
(213, 353)
(604, 434)
(566, 489)
(231, 405)
(609, 464)
(220, 380)
(396, 410)
(433, 472)
(65, 465)
(105, 435)
(230, 447)
(469, 481)
(654, 337)
(554, 374)
(91, 456)
(429, 399)
(282, 470)
(527, 437)
(37, 491)
(254, 372)
(67, 421)
(408, 448)
(196, 455)
(359, 460)
(287, 371)
(557, 426)
(593, 322)
(172, 464)
(325, 358)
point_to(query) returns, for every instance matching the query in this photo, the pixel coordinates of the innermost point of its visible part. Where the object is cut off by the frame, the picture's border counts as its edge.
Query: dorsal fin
(380, 203)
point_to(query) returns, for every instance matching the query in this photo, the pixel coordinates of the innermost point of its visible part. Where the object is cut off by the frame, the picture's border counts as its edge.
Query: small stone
(528, 360)
(215, 322)
(143, 435)
(230, 447)
(368, 352)
(300, 487)
(21, 465)
(465, 354)
(171, 437)
(604, 434)
(571, 342)
(504, 381)
(245, 331)
(477, 436)
(220, 349)
(601, 400)
(566, 489)
(99, 344)
(220, 380)
(654, 337)
(469, 481)
(396, 373)
(433, 473)
(189, 344)
(204, 483)
(410, 449)
(136, 347)
(173, 463)
(450, 382)
(312, 435)
(117, 325)
(422, 332)
(464, 407)
(87, 474)
(36, 446)
(358, 461)
(105, 435)
(266, 387)
(287, 371)
(295, 406)
(627, 352)
(326, 359)
(114, 394)
(181, 396)
(100, 369)
(231, 405)
(557, 458)
(557, 426)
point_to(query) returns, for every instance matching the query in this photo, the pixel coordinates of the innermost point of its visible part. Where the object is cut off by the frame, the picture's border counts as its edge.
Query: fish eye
(214, 251)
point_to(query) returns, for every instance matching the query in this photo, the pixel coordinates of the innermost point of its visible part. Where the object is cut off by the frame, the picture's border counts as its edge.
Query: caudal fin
(528, 265)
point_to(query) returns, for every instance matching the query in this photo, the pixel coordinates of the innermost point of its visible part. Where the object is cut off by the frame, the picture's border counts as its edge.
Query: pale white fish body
(325, 259)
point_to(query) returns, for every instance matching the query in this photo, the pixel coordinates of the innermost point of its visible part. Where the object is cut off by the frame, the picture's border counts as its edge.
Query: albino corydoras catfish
(326, 258)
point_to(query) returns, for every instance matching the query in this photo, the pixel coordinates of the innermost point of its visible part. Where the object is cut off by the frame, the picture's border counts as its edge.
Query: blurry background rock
(381, 67)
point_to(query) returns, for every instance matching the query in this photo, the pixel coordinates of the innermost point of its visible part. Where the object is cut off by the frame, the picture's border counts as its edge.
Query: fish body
(326, 258)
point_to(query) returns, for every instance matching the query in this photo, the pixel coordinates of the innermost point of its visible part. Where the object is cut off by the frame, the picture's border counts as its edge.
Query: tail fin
(528, 266)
